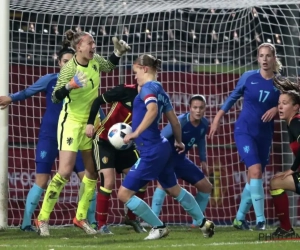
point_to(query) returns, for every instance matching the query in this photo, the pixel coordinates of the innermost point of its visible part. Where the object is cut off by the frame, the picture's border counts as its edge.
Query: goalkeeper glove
(78, 81)
(120, 47)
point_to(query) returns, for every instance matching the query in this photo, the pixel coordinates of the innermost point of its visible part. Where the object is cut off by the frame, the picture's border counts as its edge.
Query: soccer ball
(117, 133)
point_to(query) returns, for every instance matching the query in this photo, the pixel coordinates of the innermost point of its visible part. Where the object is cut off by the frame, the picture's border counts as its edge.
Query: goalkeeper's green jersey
(78, 102)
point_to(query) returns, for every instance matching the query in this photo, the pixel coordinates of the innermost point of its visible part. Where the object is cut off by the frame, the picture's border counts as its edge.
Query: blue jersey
(260, 95)
(151, 92)
(190, 135)
(49, 121)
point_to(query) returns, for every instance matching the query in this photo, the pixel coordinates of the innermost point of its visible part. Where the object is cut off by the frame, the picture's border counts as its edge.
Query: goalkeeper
(194, 127)
(77, 87)
(46, 150)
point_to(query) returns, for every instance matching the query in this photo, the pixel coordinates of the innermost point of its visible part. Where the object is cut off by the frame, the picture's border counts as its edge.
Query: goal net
(205, 46)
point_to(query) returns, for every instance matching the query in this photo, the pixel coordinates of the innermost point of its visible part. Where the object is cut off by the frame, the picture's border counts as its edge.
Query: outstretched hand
(120, 46)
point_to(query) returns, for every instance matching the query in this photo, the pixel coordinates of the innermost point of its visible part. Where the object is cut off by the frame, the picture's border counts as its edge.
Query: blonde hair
(277, 66)
(74, 38)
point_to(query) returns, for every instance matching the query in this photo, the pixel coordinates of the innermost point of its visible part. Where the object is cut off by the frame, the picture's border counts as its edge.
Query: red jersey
(121, 98)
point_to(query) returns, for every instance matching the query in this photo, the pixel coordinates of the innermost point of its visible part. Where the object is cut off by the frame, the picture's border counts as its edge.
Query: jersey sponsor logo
(254, 82)
(105, 159)
(246, 149)
(69, 140)
(186, 132)
(43, 154)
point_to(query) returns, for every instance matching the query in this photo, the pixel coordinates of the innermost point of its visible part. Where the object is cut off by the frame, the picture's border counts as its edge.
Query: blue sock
(158, 200)
(202, 200)
(245, 204)
(142, 210)
(190, 205)
(258, 199)
(92, 210)
(32, 201)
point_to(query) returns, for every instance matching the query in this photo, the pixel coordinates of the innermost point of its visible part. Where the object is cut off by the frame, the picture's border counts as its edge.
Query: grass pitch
(125, 238)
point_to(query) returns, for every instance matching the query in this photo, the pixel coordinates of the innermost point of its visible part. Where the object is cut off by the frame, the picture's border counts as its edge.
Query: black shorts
(296, 177)
(106, 156)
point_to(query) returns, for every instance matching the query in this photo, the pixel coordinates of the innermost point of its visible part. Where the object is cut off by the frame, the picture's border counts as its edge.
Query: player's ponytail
(66, 49)
(73, 38)
(149, 61)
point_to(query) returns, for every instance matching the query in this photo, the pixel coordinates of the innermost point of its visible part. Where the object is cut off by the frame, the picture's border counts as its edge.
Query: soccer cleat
(157, 233)
(260, 226)
(280, 232)
(84, 225)
(104, 230)
(28, 228)
(208, 229)
(135, 224)
(241, 224)
(42, 227)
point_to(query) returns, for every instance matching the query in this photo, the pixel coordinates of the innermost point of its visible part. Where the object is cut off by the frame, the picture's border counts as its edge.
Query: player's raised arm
(39, 86)
(230, 101)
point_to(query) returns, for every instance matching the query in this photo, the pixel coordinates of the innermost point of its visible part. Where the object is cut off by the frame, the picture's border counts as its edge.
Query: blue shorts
(186, 170)
(253, 150)
(46, 153)
(154, 164)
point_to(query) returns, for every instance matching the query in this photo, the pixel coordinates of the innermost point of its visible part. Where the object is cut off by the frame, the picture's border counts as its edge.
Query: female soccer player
(254, 129)
(194, 127)
(77, 87)
(155, 151)
(47, 147)
(106, 157)
(288, 108)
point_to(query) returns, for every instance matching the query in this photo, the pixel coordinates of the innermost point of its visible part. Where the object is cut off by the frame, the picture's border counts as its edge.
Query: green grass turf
(125, 238)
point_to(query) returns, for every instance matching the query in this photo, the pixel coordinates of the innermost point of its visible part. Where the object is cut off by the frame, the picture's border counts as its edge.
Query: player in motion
(194, 127)
(47, 148)
(77, 87)
(155, 151)
(254, 129)
(288, 108)
(106, 157)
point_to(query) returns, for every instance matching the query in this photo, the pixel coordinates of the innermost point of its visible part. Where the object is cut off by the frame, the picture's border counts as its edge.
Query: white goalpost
(205, 46)
(4, 69)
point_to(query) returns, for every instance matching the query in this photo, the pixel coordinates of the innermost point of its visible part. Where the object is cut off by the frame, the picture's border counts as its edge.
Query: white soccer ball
(117, 133)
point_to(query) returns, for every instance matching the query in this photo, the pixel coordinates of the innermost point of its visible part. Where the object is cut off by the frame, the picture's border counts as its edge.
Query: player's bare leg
(189, 204)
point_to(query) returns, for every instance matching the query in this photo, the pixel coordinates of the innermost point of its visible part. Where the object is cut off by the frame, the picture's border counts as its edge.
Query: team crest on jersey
(95, 68)
(69, 140)
(43, 154)
(105, 159)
